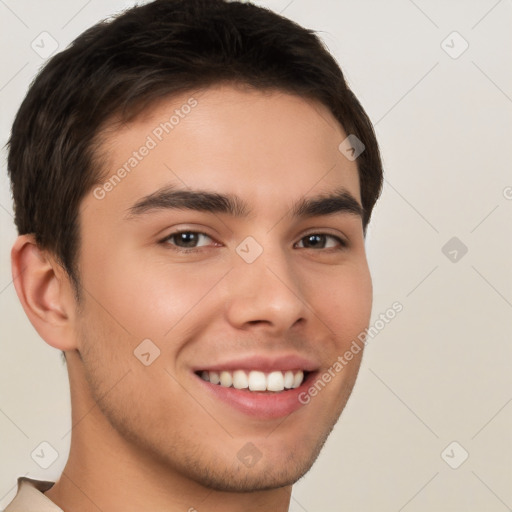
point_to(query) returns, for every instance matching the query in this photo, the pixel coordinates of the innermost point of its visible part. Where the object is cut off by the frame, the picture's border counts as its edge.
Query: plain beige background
(439, 372)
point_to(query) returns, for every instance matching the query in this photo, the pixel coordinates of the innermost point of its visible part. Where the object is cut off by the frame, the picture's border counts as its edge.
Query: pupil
(188, 238)
(314, 238)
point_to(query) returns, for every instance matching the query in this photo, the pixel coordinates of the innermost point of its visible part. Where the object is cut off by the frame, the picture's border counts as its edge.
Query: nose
(266, 294)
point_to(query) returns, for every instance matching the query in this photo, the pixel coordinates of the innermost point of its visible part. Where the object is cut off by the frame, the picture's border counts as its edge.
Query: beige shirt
(30, 497)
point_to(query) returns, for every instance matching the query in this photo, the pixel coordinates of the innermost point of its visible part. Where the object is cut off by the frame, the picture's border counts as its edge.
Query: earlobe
(43, 289)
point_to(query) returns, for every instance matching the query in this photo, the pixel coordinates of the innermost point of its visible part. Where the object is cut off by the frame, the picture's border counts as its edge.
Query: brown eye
(186, 239)
(321, 241)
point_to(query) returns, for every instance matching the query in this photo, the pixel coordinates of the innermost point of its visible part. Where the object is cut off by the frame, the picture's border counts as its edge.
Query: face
(217, 255)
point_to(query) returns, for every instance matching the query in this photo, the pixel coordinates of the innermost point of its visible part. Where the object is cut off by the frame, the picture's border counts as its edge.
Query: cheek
(344, 301)
(149, 296)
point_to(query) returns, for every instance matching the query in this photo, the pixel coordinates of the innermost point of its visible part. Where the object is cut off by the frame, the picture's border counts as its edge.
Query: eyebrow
(338, 201)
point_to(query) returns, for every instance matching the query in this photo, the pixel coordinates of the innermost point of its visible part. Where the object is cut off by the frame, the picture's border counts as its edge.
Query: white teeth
(275, 381)
(298, 378)
(240, 380)
(226, 379)
(255, 380)
(288, 379)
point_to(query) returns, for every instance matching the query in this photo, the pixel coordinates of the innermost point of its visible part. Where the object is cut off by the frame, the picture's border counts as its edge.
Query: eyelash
(342, 243)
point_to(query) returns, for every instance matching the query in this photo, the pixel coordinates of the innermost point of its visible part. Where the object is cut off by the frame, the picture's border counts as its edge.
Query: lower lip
(265, 405)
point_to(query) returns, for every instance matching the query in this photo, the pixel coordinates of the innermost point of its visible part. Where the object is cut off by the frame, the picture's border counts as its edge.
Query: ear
(45, 292)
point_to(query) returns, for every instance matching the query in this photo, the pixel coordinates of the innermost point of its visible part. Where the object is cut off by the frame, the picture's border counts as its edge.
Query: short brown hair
(120, 66)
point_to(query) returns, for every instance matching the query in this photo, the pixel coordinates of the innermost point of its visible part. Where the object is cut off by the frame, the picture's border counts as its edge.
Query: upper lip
(262, 363)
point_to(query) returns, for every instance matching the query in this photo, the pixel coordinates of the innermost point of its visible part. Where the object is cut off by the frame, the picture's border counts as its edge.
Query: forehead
(266, 146)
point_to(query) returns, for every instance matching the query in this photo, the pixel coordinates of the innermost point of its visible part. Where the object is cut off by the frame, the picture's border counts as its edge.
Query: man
(192, 182)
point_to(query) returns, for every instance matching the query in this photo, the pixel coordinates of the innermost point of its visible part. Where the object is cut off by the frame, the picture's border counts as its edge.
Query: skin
(147, 437)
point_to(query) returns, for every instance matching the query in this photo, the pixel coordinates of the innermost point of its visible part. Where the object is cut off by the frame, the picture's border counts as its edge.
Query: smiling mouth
(255, 380)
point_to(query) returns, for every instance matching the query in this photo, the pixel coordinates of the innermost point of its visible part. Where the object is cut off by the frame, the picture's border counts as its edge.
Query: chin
(272, 471)
(251, 480)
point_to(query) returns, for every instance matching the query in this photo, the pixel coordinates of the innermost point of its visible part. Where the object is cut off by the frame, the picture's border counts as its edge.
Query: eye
(186, 240)
(321, 241)
(190, 241)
